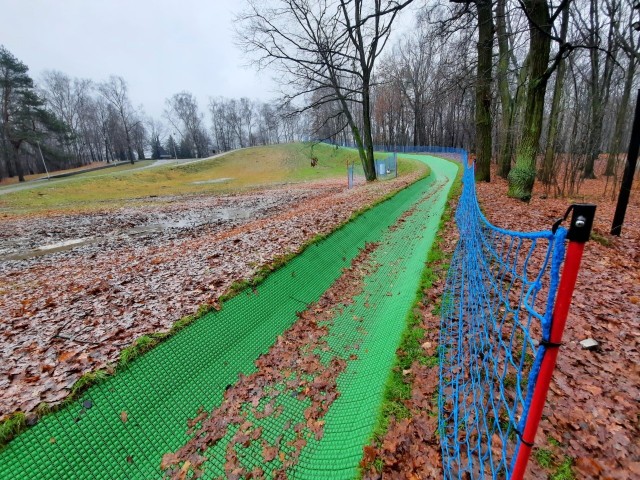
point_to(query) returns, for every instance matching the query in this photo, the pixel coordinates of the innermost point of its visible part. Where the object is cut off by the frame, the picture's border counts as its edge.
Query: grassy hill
(237, 171)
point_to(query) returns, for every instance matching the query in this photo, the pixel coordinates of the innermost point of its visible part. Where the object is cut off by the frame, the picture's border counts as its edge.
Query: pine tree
(171, 147)
(24, 118)
(185, 149)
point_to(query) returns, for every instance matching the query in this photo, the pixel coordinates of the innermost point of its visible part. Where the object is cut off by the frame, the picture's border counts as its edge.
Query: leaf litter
(300, 365)
(591, 411)
(72, 312)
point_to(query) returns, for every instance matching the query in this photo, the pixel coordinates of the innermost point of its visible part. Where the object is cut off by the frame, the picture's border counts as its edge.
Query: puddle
(187, 220)
(51, 248)
(65, 243)
(213, 180)
(143, 229)
(233, 213)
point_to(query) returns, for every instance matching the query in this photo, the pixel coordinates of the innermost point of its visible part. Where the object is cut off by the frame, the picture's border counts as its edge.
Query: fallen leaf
(168, 459)
(182, 474)
(269, 453)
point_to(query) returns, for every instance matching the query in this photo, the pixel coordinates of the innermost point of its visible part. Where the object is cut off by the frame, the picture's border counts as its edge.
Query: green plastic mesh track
(165, 387)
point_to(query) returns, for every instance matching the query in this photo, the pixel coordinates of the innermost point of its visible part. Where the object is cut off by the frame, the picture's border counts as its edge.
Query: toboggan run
(500, 294)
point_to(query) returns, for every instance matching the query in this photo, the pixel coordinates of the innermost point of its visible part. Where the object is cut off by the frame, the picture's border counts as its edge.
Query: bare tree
(184, 115)
(324, 46)
(627, 37)
(539, 69)
(66, 98)
(115, 92)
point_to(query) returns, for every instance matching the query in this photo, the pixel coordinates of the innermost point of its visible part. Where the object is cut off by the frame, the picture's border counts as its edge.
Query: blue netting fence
(496, 318)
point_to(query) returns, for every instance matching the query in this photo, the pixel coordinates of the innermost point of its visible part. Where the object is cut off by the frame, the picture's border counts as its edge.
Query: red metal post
(578, 234)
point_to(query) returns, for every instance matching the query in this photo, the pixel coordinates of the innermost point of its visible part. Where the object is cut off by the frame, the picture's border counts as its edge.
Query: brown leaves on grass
(410, 448)
(72, 312)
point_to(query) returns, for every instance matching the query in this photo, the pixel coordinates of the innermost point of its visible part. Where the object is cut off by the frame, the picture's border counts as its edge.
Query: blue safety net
(496, 321)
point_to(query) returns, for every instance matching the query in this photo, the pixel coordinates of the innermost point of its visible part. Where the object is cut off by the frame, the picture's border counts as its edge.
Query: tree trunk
(16, 159)
(547, 172)
(621, 119)
(483, 90)
(369, 165)
(600, 89)
(128, 137)
(548, 167)
(506, 100)
(357, 137)
(523, 176)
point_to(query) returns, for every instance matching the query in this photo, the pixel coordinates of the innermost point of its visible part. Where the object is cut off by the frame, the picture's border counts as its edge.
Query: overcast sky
(160, 47)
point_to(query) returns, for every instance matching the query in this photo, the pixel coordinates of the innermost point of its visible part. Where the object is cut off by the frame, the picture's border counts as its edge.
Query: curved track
(164, 388)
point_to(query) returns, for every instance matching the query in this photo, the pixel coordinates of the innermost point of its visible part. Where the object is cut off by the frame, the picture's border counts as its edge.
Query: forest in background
(66, 122)
(544, 90)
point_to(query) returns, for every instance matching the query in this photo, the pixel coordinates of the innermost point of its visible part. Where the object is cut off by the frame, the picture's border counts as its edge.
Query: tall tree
(548, 168)
(24, 118)
(507, 100)
(115, 91)
(324, 46)
(522, 176)
(484, 76)
(483, 90)
(600, 79)
(627, 36)
(184, 115)
(66, 98)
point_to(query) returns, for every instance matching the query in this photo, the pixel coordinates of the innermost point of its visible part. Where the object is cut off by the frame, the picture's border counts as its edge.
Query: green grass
(559, 466)
(544, 457)
(564, 470)
(11, 427)
(244, 169)
(601, 239)
(13, 181)
(114, 170)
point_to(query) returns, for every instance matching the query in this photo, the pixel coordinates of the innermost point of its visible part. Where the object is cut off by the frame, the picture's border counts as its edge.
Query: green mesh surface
(165, 387)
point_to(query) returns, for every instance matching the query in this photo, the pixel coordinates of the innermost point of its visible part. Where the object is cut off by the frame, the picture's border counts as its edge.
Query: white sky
(160, 47)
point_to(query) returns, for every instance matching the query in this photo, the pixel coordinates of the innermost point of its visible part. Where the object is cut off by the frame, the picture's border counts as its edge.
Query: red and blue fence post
(578, 234)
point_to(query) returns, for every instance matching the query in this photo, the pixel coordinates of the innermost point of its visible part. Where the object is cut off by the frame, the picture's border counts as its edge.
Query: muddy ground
(77, 289)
